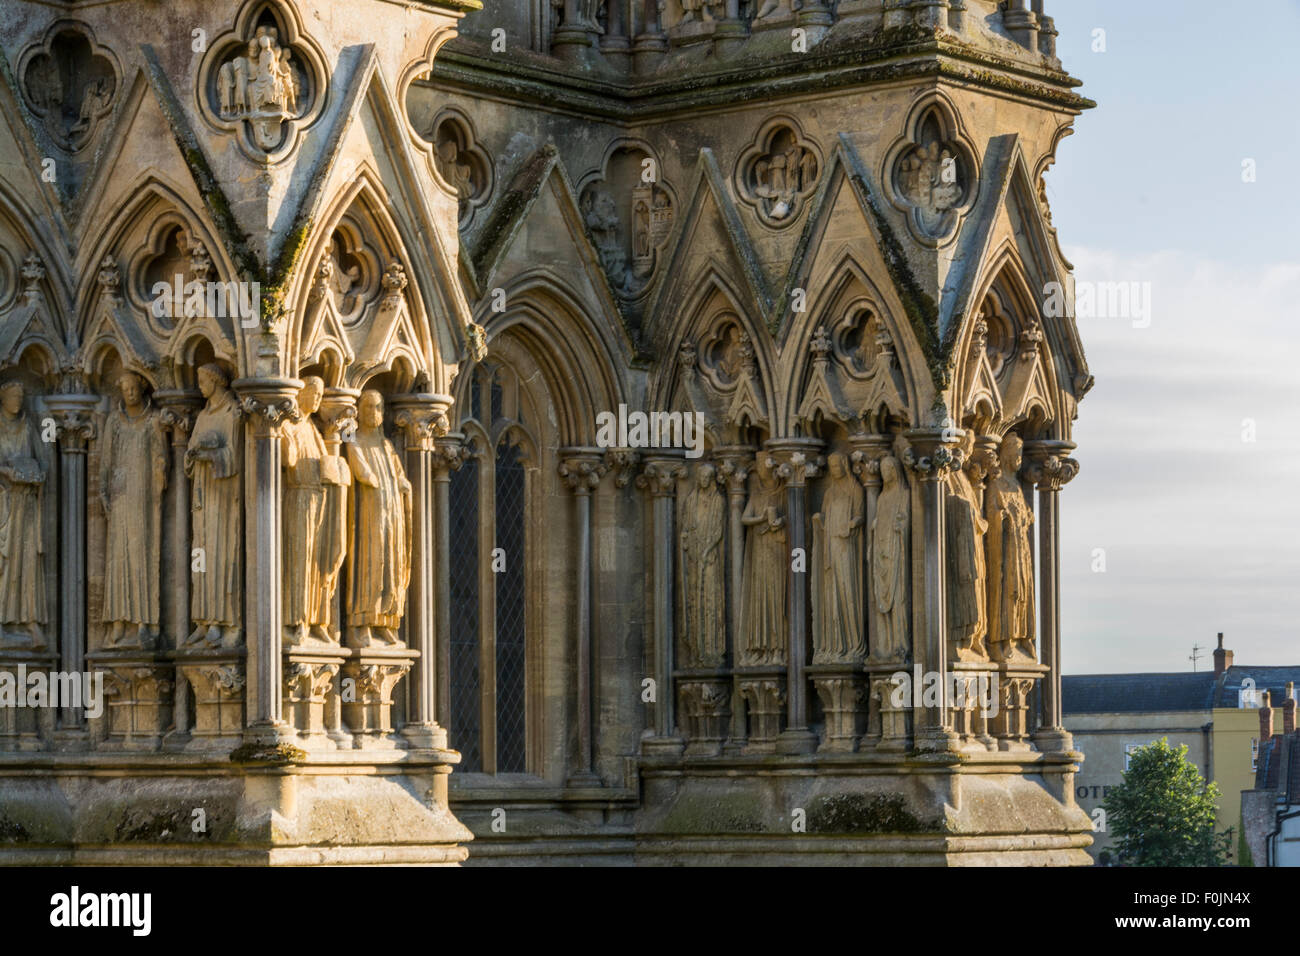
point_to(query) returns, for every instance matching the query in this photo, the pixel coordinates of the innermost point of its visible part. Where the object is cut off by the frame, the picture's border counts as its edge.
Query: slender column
(573, 37)
(430, 458)
(930, 458)
(269, 403)
(796, 462)
(650, 45)
(582, 469)
(1022, 24)
(659, 479)
(1050, 469)
(72, 417)
(179, 408)
(614, 43)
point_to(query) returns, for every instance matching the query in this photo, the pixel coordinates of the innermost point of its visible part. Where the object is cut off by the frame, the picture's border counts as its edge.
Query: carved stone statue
(1011, 560)
(22, 576)
(213, 463)
(762, 607)
(965, 578)
(839, 527)
(379, 555)
(703, 520)
(889, 577)
(261, 86)
(313, 538)
(132, 477)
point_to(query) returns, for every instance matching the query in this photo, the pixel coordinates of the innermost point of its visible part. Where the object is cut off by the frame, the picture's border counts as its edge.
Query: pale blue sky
(1199, 526)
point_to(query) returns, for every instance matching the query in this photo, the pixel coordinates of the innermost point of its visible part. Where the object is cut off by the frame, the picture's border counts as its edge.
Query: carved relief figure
(313, 539)
(889, 534)
(703, 519)
(132, 478)
(602, 219)
(213, 463)
(965, 527)
(379, 557)
(459, 174)
(781, 175)
(22, 567)
(1011, 560)
(839, 526)
(762, 608)
(262, 86)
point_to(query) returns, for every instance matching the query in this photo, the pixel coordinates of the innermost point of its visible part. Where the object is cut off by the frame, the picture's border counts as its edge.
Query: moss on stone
(859, 813)
(256, 753)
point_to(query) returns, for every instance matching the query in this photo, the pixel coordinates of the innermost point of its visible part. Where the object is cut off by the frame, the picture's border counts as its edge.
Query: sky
(1189, 443)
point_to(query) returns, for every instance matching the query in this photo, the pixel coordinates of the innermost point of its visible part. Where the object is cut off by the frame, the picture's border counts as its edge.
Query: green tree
(1162, 814)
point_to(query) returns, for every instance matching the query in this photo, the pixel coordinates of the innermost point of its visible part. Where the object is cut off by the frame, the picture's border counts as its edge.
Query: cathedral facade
(599, 432)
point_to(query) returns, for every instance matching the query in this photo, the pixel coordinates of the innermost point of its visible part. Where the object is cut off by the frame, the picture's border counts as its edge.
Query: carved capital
(582, 471)
(659, 476)
(1048, 466)
(795, 462)
(269, 403)
(735, 463)
(423, 419)
(109, 278)
(622, 462)
(448, 454)
(179, 410)
(33, 273)
(933, 453)
(74, 419)
(868, 452)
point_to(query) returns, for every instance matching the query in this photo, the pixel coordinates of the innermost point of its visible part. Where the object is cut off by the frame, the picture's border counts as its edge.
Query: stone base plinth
(880, 809)
(26, 719)
(138, 689)
(189, 809)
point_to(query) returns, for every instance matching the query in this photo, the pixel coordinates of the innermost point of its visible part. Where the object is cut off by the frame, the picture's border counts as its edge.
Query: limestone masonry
(314, 317)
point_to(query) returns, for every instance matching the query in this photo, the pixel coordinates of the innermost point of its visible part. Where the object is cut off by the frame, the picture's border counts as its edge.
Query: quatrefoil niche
(69, 82)
(931, 172)
(779, 172)
(264, 81)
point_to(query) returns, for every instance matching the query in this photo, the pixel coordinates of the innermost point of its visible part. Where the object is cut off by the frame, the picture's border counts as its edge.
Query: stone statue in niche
(702, 522)
(965, 527)
(458, 174)
(839, 527)
(379, 556)
(132, 478)
(762, 607)
(313, 532)
(889, 571)
(263, 86)
(22, 566)
(1011, 560)
(213, 462)
(601, 218)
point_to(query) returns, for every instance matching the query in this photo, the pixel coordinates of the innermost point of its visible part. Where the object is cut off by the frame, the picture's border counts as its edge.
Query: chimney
(1222, 658)
(1288, 710)
(1265, 722)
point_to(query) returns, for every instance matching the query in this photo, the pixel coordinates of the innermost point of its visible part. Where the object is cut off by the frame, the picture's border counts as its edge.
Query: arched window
(489, 547)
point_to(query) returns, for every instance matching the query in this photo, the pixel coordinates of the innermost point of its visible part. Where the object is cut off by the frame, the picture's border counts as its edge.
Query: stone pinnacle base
(858, 810)
(188, 810)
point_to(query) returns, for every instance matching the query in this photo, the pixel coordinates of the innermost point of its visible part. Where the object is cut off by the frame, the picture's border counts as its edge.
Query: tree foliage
(1162, 814)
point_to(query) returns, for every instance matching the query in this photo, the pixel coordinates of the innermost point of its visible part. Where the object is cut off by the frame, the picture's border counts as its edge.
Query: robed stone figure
(132, 479)
(379, 555)
(965, 575)
(702, 521)
(22, 565)
(762, 607)
(889, 535)
(839, 527)
(313, 523)
(1011, 560)
(213, 464)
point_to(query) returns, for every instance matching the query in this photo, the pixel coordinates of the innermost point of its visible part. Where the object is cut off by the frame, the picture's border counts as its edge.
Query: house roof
(1161, 693)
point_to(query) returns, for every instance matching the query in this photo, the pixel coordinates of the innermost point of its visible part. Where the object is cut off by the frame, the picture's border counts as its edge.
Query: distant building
(1213, 713)
(1270, 812)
